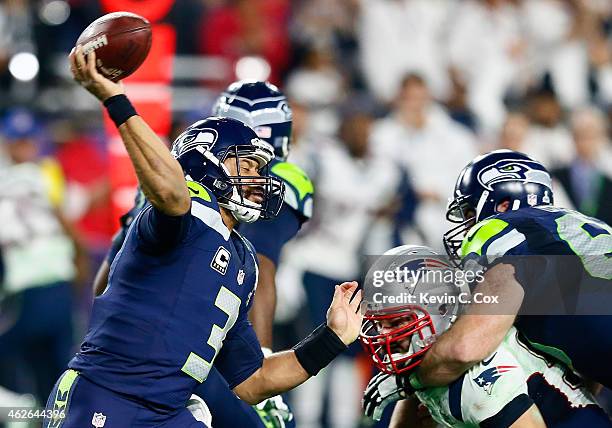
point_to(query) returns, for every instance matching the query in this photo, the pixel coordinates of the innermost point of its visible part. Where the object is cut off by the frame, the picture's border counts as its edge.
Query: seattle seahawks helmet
(486, 182)
(261, 106)
(202, 150)
(395, 334)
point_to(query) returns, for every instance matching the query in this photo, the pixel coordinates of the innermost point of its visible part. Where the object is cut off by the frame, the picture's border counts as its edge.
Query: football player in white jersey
(515, 386)
(42, 257)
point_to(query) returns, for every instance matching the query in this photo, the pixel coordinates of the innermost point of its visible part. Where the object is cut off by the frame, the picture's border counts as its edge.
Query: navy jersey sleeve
(240, 355)
(116, 244)
(125, 221)
(159, 232)
(269, 236)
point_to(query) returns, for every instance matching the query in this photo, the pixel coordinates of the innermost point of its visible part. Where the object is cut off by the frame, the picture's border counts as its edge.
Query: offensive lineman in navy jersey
(536, 257)
(180, 287)
(265, 109)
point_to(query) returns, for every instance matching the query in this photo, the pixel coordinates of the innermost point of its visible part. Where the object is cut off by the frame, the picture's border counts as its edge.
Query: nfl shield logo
(240, 278)
(98, 420)
(532, 199)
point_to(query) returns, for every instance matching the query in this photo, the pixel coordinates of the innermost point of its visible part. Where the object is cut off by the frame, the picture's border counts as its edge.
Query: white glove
(382, 390)
(199, 410)
(274, 412)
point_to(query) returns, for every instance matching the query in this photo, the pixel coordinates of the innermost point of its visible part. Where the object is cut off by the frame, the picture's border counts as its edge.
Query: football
(121, 40)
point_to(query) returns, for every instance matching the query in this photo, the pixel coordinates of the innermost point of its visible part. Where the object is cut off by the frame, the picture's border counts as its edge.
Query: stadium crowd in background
(391, 98)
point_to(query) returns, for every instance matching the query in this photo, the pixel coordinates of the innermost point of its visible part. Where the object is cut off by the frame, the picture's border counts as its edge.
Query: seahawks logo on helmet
(284, 107)
(194, 136)
(513, 170)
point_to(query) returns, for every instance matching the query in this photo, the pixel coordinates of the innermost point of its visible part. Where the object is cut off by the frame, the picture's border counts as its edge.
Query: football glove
(199, 410)
(274, 413)
(382, 390)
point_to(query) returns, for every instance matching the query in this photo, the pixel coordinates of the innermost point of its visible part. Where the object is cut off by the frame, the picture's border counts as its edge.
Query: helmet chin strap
(243, 211)
(481, 202)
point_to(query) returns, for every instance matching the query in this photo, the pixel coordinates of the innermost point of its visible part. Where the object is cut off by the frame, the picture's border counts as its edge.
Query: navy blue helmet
(488, 181)
(202, 150)
(261, 106)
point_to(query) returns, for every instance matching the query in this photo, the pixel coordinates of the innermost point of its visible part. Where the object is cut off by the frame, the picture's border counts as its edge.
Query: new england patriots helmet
(488, 181)
(202, 150)
(395, 334)
(261, 106)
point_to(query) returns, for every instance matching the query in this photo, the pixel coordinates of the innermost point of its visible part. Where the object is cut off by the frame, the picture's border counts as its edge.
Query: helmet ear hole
(469, 212)
(443, 309)
(503, 205)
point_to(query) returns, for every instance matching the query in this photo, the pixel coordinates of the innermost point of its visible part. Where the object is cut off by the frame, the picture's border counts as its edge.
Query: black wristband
(119, 108)
(318, 349)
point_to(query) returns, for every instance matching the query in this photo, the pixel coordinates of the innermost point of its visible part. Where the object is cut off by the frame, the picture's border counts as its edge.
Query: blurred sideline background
(391, 98)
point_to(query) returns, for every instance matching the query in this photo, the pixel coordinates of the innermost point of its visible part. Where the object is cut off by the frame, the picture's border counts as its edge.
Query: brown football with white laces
(122, 41)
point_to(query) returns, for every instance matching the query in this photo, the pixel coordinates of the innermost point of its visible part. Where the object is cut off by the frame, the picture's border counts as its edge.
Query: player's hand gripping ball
(121, 41)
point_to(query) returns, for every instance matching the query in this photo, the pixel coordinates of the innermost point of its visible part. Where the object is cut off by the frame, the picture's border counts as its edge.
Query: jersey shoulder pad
(199, 192)
(299, 189)
(204, 207)
(494, 236)
(249, 247)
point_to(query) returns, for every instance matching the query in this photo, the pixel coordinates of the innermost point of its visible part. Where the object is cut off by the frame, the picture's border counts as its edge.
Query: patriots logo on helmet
(513, 170)
(487, 378)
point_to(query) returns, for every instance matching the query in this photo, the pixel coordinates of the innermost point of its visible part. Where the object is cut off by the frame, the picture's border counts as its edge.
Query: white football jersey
(497, 390)
(35, 250)
(349, 193)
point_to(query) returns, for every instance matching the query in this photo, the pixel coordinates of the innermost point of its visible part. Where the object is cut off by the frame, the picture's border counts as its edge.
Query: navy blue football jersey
(177, 302)
(563, 260)
(268, 236)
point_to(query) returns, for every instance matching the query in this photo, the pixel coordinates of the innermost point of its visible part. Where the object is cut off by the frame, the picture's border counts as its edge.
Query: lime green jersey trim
(295, 176)
(480, 234)
(198, 191)
(266, 419)
(554, 352)
(62, 397)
